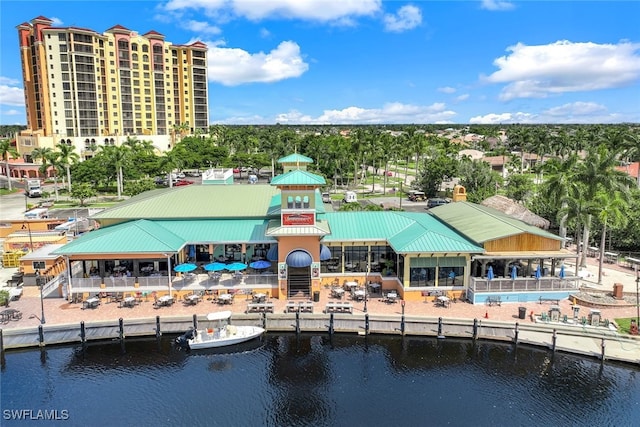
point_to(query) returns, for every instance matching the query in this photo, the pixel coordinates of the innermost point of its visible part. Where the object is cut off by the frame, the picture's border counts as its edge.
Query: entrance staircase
(299, 283)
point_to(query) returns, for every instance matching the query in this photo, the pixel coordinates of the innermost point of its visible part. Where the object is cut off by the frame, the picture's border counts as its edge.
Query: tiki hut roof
(515, 210)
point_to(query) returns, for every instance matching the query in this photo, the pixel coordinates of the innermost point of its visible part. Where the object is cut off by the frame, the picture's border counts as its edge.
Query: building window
(38, 265)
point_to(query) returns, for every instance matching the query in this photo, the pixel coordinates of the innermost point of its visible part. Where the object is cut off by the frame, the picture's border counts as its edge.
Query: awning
(272, 253)
(299, 259)
(325, 253)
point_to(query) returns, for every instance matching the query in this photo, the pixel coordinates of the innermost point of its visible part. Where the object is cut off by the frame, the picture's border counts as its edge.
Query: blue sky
(371, 61)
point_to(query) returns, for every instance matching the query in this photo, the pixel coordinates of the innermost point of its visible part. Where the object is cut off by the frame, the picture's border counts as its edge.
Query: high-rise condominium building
(90, 89)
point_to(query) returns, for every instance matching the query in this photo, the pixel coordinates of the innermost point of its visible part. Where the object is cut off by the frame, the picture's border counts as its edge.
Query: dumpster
(522, 312)
(316, 296)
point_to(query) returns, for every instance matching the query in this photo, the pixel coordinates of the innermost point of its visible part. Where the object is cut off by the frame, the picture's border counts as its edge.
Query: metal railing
(477, 284)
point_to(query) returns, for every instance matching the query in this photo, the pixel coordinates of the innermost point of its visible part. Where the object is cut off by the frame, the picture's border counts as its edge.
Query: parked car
(388, 173)
(182, 182)
(432, 203)
(416, 196)
(326, 198)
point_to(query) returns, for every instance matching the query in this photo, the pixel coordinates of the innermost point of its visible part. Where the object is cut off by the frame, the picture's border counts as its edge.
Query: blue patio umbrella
(260, 265)
(215, 266)
(562, 272)
(186, 267)
(538, 273)
(490, 275)
(514, 272)
(236, 266)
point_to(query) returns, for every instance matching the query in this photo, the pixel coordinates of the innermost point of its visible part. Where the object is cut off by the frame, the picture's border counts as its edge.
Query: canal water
(312, 380)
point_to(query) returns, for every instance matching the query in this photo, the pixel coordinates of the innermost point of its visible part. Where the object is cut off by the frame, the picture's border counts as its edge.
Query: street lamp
(40, 281)
(637, 296)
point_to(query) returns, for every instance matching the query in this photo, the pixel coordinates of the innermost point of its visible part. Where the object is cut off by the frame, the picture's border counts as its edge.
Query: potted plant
(4, 298)
(388, 264)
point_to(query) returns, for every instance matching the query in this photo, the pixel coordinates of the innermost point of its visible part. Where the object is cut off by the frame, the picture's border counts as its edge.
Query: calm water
(314, 381)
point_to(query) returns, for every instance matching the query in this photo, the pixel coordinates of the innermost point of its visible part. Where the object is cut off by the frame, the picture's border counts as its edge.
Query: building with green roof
(302, 247)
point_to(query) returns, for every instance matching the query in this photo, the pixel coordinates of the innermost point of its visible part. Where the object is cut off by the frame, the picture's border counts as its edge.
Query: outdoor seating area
(92, 302)
(260, 307)
(339, 307)
(299, 307)
(192, 298)
(391, 297)
(164, 301)
(10, 314)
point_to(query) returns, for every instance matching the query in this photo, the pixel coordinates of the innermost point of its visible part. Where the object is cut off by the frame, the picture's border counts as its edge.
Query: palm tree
(612, 211)
(560, 183)
(67, 157)
(118, 158)
(6, 151)
(598, 173)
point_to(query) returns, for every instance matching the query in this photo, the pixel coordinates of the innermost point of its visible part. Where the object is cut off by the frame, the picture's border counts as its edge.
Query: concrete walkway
(575, 339)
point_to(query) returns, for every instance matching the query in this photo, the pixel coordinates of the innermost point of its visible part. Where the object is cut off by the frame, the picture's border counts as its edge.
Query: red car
(388, 173)
(182, 182)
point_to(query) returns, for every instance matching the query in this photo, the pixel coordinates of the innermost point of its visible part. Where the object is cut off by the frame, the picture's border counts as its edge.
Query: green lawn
(624, 324)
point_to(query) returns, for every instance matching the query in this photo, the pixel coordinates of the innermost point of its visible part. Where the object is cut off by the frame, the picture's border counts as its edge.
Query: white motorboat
(220, 335)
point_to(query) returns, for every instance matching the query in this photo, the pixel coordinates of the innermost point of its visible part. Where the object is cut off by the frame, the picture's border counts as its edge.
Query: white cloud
(11, 95)
(394, 112)
(407, 18)
(576, 109)
(563, 66)
(57, 22)
(503, 118)
(264, 33)
(11, 113)
(571, 113)
(310, 10)
(201, 27)
(497, 5)
(233, 66)
(462, 97)
(446, 89)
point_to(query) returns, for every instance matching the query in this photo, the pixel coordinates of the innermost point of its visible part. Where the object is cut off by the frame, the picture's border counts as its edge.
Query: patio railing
(477, 284)
(161, 283)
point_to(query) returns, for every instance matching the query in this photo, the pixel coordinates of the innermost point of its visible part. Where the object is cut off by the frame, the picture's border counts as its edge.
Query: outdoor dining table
(392, 296)
(129, 302)
(259, 297)
(193, 298)
(10, 314)
(351, 285)
(374, 287)
(337, 292)
(165, 300)
(92, 302)
(443, 301)
(225, 298)
(359, 294)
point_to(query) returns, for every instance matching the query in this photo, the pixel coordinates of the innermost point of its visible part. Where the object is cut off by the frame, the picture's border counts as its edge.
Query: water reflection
(321, 380)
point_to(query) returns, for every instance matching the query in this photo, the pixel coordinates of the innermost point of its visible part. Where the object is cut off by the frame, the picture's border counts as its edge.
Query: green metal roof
(482, 223)
(295, 158)
(406, 232)
(132, 237)
(194, 201)
(219, 230)
(298, 177)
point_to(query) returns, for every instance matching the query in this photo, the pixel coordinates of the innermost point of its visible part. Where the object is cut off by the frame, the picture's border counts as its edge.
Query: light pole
(169, 271)
(637, 296)
(40, 283)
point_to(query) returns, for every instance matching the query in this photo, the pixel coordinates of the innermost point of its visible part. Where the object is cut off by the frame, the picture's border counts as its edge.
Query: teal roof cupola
(294, 161)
